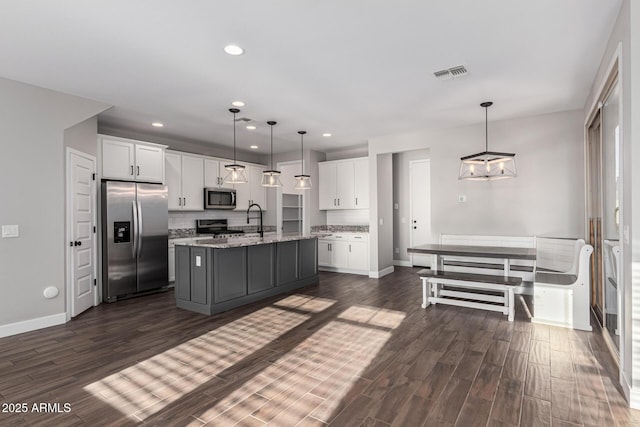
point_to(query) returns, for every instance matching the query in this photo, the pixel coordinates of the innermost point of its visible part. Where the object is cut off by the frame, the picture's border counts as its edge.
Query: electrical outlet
(381, 221)
(462, 198)
(396, 206)
(10, 231)
(397, 250)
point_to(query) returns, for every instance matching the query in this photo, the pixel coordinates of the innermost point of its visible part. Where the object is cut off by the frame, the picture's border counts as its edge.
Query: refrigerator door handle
(135, 228)
(139, 228)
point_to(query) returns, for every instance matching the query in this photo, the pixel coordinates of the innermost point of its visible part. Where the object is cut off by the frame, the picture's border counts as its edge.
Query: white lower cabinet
(344, 252)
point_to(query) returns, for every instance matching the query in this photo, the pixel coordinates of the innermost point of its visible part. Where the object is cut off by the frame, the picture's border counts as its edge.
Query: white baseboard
(402, 263)
(562, 325)
(632, 394)
(342, 270)
(32, 324)
(381, 273)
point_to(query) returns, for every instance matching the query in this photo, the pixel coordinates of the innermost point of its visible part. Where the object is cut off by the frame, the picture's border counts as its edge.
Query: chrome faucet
(260, 230)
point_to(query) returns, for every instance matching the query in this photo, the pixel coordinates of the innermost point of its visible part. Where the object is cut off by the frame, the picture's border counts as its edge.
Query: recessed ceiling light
(237, 104)
(233, 49)
(253, 147)
(251, 127)
(157, 124)
(326, 134)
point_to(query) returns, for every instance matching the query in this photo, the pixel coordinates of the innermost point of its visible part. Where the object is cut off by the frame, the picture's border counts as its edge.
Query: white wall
(547, 198)
(32, 182)
(624, 41)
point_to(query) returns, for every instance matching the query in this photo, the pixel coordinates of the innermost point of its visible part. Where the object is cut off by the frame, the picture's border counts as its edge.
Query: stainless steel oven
(219, 198)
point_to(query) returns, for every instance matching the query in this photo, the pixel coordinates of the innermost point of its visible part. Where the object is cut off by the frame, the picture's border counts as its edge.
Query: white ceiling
(355, 68)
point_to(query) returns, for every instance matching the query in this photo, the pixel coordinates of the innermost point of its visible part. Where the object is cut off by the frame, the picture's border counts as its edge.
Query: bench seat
(469, 285)
(562, 299)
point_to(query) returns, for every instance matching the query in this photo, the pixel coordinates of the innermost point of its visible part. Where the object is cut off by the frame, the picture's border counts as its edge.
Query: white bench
(562, 299)
(466, 284)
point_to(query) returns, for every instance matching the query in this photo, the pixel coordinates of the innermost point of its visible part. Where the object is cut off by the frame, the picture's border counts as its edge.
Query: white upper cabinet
(252, 191)
(327, 186)
(344, 184)
(132, 160)
(149, 163)
(185, 180)
(214, 172)
(361, 183)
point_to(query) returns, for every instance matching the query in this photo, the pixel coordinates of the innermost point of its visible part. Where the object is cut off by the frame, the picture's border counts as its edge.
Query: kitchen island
(216, 275)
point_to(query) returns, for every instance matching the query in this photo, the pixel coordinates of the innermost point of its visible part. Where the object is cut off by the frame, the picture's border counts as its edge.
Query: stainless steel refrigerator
(134, 239)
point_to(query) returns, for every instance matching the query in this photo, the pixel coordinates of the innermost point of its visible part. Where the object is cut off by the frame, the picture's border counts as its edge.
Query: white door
(420, 208)
(82, 199)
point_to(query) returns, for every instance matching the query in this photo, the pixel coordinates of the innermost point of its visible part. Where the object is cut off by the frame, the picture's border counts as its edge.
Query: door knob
(414, 221)
(415, 228)
(77, 243)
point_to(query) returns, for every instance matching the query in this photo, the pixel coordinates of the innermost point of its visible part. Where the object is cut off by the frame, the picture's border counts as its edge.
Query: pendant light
(271, 178)
(303, 182)
(488, 165)
(236, 173)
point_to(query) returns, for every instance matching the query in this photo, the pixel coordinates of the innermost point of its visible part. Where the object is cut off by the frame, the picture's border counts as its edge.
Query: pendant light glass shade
(303, 182)
(271, 178)
(235, 172)
(488, 165)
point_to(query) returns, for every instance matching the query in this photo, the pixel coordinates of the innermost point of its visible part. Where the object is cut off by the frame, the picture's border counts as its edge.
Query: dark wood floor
(350, 351)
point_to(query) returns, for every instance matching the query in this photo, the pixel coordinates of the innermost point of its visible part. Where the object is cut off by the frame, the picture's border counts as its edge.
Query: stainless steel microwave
(219, 198)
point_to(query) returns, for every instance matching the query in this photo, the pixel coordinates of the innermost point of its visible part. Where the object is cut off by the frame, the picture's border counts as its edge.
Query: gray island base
(213, 276)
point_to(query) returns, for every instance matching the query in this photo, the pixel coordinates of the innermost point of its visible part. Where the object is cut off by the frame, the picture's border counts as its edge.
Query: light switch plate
(10, 231)
(198, 261)
(462, 198)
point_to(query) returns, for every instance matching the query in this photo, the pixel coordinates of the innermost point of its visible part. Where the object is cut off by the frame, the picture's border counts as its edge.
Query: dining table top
(474, 251)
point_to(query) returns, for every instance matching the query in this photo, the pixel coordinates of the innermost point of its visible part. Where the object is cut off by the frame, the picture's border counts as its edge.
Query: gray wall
(626, 37)
(401, 196)
(32, 182)
(547, 198)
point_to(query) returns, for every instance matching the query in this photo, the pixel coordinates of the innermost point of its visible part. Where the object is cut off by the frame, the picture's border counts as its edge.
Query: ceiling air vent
(451, 73)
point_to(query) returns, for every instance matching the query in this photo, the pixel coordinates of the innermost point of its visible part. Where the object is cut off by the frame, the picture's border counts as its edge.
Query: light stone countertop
(236, 242)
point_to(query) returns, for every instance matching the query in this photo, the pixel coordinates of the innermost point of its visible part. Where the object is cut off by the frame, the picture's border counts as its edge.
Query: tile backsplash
(182, 220)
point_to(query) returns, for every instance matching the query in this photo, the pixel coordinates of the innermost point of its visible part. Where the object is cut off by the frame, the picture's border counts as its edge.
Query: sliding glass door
(603, 156)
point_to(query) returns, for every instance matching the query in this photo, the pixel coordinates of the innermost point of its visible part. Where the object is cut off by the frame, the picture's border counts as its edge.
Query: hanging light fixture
(236, 172)
(303, 182)
(271, 178)
(488, 165)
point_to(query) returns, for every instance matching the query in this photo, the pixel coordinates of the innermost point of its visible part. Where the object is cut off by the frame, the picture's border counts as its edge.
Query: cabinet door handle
(131, 169)
(356, 201)
(184, 201)
(138, 167)
(349, 248)
(338, 202)
(179, 201)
